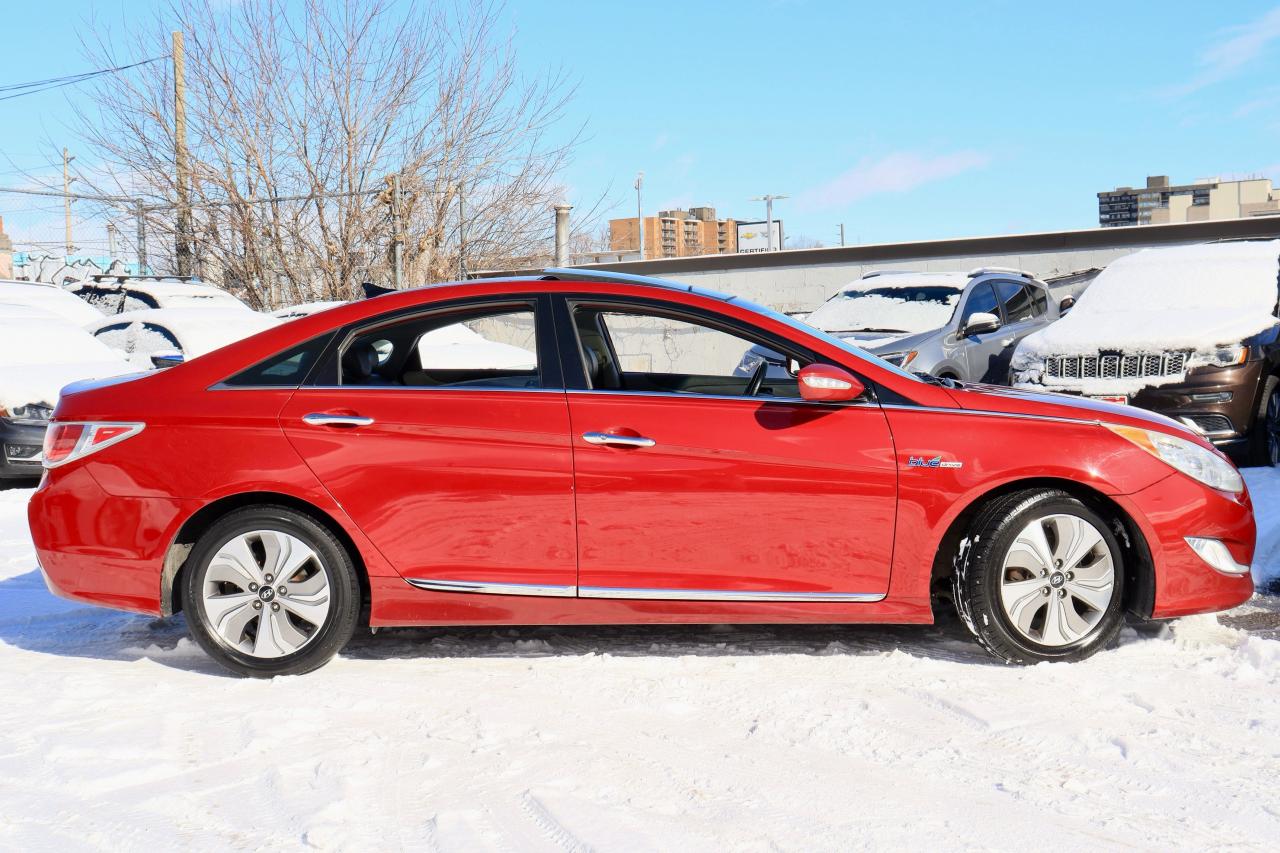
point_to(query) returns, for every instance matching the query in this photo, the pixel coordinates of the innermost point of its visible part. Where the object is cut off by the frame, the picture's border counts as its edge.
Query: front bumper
(1175, 508)
(20, 450)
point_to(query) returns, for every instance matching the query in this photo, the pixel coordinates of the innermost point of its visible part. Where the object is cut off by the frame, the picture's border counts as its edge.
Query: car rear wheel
(268, 591)
(1040, 578)
(1264, 443)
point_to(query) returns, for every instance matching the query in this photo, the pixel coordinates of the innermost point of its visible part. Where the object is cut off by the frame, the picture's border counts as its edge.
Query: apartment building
(676, 234)
(1162, 203)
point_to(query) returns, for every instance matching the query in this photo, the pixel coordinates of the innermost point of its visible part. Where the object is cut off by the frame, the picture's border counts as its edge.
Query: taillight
(67, 442)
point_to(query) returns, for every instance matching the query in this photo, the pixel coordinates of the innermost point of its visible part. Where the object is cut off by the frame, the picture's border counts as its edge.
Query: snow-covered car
(40, 354)
(51, 298)
(306, 309)
(1187, 331)
(948, 324)
(118, 294)
(160, 336)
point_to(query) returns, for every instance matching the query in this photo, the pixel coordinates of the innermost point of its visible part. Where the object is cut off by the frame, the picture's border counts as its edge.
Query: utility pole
(66, 197)
(841, 233)
(111, 240)
(768, 215)
(397, 236)
(140, 216)
(181, 166)
(462, 238)
(562, 234)
(640, 214)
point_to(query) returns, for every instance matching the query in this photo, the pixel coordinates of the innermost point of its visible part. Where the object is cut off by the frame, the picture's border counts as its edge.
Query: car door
(1023, 307)
(983, 351)
(691, 488)
(449, 449)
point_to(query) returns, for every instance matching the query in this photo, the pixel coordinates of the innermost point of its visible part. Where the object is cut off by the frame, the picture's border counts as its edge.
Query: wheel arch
(193, 528)
(1139, 581)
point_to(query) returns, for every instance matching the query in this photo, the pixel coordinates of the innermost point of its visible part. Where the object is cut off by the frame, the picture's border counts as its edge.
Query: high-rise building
(676, 234)
(1160, 203)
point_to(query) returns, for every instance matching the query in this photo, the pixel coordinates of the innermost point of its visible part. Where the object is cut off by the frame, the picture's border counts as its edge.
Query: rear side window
(1020, 301)
(284, 370)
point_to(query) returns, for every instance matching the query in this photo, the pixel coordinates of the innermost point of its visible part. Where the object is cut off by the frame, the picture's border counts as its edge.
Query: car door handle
(322, 419)
(615, 440)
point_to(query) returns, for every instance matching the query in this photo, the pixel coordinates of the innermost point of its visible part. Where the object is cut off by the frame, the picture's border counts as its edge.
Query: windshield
(812, 331)
(895, 310)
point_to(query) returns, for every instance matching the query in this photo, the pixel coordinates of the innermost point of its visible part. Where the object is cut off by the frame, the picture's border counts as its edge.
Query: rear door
(444, 434)
(694, 484)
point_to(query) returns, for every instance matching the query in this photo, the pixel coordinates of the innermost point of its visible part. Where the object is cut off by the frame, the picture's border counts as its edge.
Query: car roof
(49, 297)
(198, 330)
(159, 286)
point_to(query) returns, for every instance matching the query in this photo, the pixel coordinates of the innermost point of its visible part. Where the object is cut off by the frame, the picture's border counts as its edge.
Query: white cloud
(898, 172)
(1235, 48)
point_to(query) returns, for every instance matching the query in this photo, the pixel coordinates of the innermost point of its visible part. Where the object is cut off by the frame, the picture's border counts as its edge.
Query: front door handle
(615, 440)
(322, 419)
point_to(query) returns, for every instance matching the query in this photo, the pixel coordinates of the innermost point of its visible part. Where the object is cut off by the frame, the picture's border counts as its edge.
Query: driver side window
(650, 352)
(982, 300)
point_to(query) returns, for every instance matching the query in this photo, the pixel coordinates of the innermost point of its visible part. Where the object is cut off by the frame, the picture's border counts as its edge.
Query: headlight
(1220, 357)
(900, 359)
(1188, 457)
(750, 364)
(26, 414)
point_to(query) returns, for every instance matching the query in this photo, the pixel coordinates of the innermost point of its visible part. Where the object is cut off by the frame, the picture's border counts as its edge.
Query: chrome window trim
(675, 395)
(224, 387)
(723, 595)
(487, 588)
(989, 414)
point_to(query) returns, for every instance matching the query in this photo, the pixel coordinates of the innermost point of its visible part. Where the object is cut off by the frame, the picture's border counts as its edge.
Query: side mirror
(826, 383)
(168, 358)
(980, 323)
(1065, 305)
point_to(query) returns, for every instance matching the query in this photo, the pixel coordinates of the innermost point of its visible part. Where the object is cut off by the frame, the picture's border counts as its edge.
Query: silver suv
(954, 325)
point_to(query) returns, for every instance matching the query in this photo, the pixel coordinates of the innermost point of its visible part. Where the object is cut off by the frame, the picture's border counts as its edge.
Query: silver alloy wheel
(1057, 580)
(266, 593)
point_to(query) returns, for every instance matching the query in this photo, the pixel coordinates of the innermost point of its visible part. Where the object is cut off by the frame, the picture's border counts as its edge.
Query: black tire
(1264, 436)
(344, 598)
(979, 571)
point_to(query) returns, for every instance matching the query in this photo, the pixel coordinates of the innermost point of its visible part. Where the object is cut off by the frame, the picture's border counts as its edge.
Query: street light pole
(640, 214)
(768, 214)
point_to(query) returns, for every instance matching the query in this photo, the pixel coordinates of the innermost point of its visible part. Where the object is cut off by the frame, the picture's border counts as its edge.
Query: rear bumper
(102, 549)
(1175, 508)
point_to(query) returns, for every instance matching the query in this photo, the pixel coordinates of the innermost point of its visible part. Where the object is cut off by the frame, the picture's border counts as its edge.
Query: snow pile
(898, 308)
(306, 309)
(38, 356)
(1162, 300)
(117, 733)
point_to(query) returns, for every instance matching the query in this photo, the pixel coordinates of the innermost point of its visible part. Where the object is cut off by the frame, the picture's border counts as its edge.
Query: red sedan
(596, 453)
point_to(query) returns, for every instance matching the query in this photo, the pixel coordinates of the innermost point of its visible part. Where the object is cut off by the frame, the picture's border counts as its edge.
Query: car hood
(882, 342)
(1015, 401)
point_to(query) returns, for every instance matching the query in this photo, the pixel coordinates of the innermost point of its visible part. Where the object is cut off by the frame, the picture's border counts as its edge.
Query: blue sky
(903, 121)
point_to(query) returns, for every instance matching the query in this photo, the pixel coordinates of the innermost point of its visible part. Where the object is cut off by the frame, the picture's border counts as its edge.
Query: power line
(17, 90)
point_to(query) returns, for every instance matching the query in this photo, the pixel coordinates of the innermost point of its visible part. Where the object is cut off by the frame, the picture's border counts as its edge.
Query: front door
(444, 435)
(698, 484)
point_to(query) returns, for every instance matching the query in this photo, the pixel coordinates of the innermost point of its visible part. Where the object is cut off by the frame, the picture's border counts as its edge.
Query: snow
(50, 298)
(897, 304)
(40, 355)
(117, 733)
(197, 331)
(1160, 300)
(293, 312)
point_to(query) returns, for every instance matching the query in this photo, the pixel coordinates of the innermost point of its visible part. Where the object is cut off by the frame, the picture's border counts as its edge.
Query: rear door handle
(615, 440)
(322, 419)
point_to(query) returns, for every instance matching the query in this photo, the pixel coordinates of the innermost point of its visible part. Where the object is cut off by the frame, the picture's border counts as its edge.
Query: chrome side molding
(636, 593)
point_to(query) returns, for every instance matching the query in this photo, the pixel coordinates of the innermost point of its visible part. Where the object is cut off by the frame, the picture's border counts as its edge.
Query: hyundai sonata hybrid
(331, 472)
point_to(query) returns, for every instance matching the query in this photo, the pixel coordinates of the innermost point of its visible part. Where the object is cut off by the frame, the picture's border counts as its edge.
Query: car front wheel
(1040, 578)
(1264, 444)
(268, 591)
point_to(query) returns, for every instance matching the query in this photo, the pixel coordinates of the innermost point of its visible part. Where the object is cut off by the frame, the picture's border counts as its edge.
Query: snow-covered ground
(117, 733)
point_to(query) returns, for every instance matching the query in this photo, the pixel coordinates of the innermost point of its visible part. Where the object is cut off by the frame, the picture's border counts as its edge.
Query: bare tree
(299, 113)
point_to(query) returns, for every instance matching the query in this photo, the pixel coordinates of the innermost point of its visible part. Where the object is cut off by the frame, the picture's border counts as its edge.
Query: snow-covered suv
(1188, 331)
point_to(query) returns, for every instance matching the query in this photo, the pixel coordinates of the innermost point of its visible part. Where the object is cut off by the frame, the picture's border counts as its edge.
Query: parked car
(1188, 331)
(120, 294)
(51, 298)
(626, 476)
(950, 325)
(39, 354)
(161, 336)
